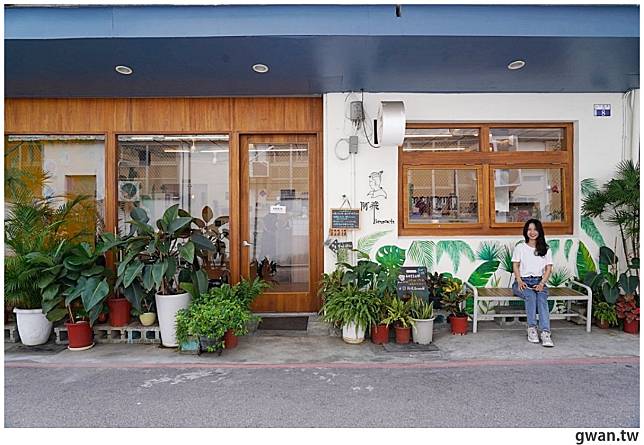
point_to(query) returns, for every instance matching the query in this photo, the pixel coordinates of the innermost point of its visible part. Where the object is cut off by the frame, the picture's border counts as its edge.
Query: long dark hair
(542, 247)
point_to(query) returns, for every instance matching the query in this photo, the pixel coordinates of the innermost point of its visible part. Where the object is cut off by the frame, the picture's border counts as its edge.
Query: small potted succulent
(352, 309)
(627, 310)
(452, 301)
(605, 315)
(422, 313)
(398, 315)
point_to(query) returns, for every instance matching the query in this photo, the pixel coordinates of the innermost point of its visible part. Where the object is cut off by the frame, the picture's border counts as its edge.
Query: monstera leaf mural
(390, 256)
(422, 253)
(585, 261)
(454, 249)
(366, 243)
(567, 247)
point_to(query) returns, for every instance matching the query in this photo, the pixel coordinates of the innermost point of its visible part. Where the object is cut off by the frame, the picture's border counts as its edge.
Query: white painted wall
(598, 147)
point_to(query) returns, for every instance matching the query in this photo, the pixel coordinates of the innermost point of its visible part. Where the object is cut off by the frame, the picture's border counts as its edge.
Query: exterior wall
(597, 150)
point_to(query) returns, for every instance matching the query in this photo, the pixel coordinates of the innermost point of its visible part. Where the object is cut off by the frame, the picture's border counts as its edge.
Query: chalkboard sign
(412, 280)
(345, 218)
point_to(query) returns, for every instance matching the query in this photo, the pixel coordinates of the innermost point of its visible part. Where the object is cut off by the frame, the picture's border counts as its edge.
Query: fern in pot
(399, 315)
(352, 309)
(422, 313)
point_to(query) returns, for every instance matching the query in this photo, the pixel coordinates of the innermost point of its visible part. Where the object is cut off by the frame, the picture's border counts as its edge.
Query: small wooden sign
(336, 245)
(412, 280)
(345, 219)
(337, 232)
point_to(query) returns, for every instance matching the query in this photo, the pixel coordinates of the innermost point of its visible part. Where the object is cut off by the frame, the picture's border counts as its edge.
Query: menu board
(412, 281)
(345, 218)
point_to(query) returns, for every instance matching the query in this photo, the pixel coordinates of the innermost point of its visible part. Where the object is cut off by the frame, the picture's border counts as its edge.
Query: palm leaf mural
(454, 249)
(366, 243)
(391, 256)
(482, 274)
(554, 246)
(585, 262)
(567, 247)
(422, 253)
(489, 251)
(559, 277)
(589, 227)
(506, 258)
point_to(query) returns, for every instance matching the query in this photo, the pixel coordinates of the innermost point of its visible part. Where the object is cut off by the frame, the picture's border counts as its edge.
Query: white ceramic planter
(33, 326)
(352, 334)
(167, 308)
(422, 331)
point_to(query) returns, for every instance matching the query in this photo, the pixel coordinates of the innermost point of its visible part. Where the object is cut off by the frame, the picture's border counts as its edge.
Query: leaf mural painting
(585, 262)
(366, 243)
(454, 249)
(482, 274)
(589, 227)
(567, 247)
(422, 253)
(391, 256)
(554, 246)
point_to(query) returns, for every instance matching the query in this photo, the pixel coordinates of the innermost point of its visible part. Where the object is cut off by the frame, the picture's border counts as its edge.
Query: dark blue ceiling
(208, 50)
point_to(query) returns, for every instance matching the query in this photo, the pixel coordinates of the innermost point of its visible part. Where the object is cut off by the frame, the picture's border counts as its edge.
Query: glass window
(442, 196)
(73, 165)
(441, 139)
(156, 172)
(524, 193)
(526, 139)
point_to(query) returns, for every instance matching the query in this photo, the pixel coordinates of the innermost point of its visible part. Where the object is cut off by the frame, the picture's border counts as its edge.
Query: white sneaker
(546, 340)
(533, 337)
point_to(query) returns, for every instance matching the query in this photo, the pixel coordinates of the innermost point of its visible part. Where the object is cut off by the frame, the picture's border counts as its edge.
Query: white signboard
(278, 209)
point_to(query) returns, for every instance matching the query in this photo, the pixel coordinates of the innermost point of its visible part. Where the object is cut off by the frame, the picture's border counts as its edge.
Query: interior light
(122, 69)
(516, 65)
(260, 68)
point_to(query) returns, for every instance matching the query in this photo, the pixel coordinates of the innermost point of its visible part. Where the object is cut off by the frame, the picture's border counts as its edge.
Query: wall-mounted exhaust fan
(390, 128)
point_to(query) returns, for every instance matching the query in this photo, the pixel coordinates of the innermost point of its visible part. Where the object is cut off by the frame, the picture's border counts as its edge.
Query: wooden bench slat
(507, 292)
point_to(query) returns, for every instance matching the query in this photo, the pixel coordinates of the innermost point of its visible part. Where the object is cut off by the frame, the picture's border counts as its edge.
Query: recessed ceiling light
(516, 65)
(122, 69)
(260, 68)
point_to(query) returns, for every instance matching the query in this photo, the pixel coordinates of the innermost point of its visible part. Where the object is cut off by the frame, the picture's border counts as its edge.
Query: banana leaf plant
(68, 273)
(165, 260)
(609, 281)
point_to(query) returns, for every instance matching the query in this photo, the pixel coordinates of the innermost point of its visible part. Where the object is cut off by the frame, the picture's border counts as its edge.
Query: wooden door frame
(275, 303)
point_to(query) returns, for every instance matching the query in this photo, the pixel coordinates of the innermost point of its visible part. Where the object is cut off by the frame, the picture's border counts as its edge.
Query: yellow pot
(148, 318)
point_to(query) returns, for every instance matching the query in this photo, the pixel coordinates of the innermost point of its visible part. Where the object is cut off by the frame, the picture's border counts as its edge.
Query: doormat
(410, 347)
(284, 323)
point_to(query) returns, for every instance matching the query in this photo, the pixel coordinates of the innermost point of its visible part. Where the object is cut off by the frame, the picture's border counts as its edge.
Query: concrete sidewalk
(490, 344)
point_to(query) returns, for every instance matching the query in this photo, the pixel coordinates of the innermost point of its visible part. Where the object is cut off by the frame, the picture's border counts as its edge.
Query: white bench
(554, 293)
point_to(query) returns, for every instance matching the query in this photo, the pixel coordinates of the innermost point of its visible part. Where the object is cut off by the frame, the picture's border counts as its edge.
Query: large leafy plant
(608, 281)
(351, 305)
(398, 313)
(453, 296)
(606, 313)
(164, 260)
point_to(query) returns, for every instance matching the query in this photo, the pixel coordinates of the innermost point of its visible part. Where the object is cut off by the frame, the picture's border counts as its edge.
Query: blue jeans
(534, 301)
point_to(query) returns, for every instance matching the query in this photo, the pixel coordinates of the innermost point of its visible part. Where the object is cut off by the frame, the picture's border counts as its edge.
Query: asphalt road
(575, 396)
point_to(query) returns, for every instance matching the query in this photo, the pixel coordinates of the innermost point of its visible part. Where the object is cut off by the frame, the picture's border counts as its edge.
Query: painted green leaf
(554, 246)
(588, 226)
(454, 249)
(366, 243)
(391, 256)
(567, 247)
(489, 251)
(482, 274)
(585, 262)
(422, 253)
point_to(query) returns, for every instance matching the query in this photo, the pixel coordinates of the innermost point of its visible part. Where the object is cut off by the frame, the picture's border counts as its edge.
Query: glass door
(276, 223)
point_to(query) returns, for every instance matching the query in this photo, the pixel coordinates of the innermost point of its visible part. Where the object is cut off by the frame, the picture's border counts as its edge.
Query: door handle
(246, 244)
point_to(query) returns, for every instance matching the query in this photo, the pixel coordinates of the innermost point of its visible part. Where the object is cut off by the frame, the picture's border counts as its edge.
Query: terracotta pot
(632, 327)
(601, 324)
(102, 318)
(402, 335)
(80, 334)
(380, 334)
(230, 339)
(459, 325)
(119, 311)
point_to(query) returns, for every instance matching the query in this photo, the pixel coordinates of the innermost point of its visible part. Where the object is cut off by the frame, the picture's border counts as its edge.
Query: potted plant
(147, 315)
(627, 310)
(352, 309)
(452, 301)
(422, 314)
(605, 315)
(380, 329)
(166, 261)
(398, 315)
(73, 278)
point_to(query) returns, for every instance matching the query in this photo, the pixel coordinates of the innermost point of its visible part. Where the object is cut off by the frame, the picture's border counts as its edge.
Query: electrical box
(353, 144)
(356, 113)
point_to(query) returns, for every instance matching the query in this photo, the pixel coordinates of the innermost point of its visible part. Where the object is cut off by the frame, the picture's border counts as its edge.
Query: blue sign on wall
(601, 110)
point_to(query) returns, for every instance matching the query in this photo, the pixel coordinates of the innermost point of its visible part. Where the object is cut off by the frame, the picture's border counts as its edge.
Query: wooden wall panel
(277, 114)
(210, 115)
(58, 115)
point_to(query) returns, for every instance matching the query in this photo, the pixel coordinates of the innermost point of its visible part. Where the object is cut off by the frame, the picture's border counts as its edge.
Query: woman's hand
(539, 287)
(521, 284)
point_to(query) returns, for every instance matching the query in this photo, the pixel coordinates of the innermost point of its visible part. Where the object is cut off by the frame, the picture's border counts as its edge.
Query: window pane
(526, 139)
(441, 139)
(442, 196)
(75, 165)
(156, 172)
(524, 193)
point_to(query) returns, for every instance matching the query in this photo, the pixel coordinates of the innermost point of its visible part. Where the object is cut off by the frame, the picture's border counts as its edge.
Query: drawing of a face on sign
(375, 179)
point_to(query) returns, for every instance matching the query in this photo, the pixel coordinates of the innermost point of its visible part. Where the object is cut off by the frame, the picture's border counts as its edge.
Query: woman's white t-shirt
(531, 264)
